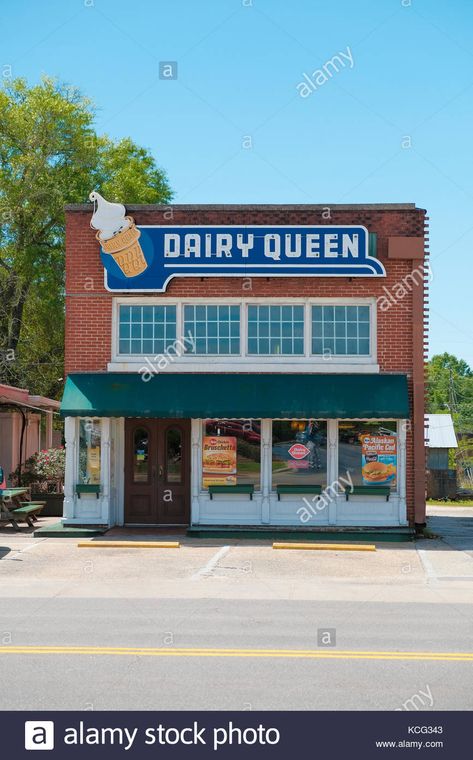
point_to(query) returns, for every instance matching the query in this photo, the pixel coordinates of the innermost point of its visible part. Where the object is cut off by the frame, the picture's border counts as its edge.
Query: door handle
(160, 471)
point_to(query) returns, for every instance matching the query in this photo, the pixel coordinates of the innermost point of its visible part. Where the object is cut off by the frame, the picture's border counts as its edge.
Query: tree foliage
(50, 155)
(450, 387)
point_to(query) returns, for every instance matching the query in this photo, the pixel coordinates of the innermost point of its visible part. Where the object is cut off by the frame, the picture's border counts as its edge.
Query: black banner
(234, 734)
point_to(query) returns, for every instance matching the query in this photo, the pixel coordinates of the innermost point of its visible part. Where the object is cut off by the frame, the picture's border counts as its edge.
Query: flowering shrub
(46, 466)
(49, 464)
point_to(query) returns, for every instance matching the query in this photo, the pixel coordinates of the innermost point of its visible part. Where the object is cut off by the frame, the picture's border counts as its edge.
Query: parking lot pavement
(230, 569)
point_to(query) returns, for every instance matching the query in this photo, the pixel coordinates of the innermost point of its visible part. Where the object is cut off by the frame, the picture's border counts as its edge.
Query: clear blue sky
(239, 63)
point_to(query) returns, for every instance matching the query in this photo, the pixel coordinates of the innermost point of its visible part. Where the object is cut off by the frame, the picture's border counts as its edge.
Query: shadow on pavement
(456, 530)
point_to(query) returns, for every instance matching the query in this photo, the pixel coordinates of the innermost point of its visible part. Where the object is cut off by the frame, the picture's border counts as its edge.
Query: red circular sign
(298, 451)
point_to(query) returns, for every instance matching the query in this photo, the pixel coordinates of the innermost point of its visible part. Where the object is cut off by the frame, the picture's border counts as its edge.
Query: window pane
(351, 346)
(140, 455)
(299, 453)
(231, 452)
(275, 322)
(213, 325)
(341, 322)
(152, 329)
(174, 455)
(367, 452)
(89, 451)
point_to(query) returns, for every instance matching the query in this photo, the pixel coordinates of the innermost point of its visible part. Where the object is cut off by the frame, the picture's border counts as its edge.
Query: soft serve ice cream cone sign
(118, 236)
(147, 257)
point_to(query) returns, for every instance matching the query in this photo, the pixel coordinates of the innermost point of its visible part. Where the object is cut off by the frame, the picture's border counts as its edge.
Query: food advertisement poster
(93, 464)
(379, 459)
(219, 460)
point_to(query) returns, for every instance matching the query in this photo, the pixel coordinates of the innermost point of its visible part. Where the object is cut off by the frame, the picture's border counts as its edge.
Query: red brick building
(273, 375)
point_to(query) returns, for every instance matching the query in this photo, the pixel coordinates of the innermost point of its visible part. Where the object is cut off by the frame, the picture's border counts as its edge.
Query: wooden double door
(157, 472)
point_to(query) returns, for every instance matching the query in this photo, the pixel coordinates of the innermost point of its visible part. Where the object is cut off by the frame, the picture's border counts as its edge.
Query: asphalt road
(124, 681)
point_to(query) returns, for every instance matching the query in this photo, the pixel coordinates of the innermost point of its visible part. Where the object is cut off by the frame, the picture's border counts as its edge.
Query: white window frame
(372, 350)
(195, 337)
(305, 336)
(265, 508)
(258, 489)
(116, 325)
(244, 362)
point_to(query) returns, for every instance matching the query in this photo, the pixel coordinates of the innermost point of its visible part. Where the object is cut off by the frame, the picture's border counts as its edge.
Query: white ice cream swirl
(108, 218)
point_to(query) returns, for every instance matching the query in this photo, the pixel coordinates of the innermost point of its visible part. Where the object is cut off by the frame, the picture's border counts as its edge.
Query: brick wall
(89, 305)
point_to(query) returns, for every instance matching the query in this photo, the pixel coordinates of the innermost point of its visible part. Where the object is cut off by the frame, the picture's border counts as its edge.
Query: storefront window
(368, 452)
(299, 452)
(231, 452)
(276, 330)
(341, 330)
(89, 451)
(146, 330)
(212, 329)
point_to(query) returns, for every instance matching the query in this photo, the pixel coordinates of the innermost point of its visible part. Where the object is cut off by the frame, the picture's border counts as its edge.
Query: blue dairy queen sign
(146, 258)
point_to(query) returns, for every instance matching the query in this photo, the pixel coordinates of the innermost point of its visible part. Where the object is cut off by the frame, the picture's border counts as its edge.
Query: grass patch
(450, 503)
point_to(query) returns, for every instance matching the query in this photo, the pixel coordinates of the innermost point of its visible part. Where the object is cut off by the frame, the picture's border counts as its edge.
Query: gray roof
(439, 432)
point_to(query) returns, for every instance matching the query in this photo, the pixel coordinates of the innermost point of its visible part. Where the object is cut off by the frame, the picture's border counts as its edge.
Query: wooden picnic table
(12, 508)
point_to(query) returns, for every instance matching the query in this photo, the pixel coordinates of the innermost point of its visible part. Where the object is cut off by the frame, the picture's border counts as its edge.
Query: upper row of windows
(272, 330)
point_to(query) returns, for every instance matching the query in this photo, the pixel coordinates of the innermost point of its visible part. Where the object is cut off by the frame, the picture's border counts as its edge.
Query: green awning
(236, 395)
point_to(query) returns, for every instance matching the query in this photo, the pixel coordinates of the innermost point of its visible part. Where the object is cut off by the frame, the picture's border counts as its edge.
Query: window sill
(243, 364)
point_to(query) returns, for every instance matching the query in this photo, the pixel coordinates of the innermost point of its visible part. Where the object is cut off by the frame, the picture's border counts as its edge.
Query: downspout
(22, 436)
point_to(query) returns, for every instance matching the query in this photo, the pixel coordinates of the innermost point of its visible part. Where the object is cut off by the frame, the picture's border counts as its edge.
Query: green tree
(450, 388)
(50, 155)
